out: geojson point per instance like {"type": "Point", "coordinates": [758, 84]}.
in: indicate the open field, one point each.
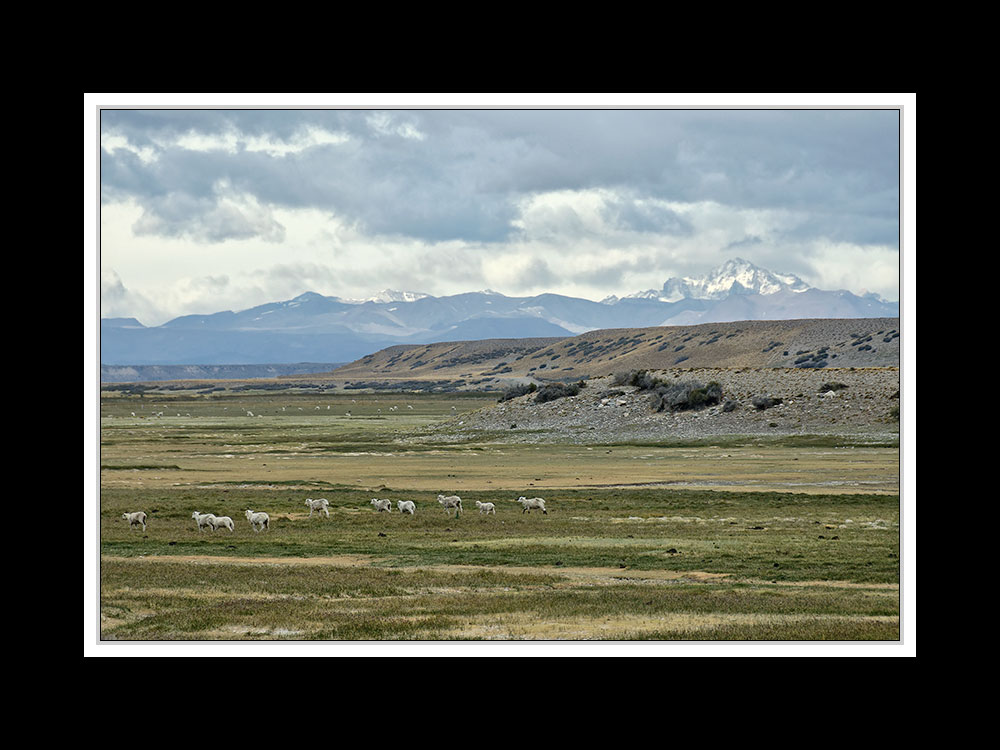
{"type": "Point", "coordinates": [783, 537]}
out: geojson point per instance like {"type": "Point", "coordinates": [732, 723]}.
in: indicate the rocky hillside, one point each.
{"type": "Point", "coordinates": [798, 344]}
{"type": "Point", "coordinates": [859, 402]}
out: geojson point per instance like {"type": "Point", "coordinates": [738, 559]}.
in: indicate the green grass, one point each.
{"type": "Point", "coordinates": [628, 562]}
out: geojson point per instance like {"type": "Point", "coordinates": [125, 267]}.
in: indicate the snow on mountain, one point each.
{"type": "Point", "coordinates": [313, 327]}
{"type": "Point", "coordinates": [718, 283]}
{"type": "Point", "coordinates": [388, 295]}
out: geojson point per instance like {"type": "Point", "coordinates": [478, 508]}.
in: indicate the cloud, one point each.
{"type": "Point", "coordinates": [594, 202]}
{"type": "Point", "coordinates": [226, 215]}
{"type": "Point", "coordinates": [440, 175]}
{"type": "Point", "coordinates": [119, 302]}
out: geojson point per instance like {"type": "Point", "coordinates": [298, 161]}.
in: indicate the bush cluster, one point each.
{"type": "Point", "coordinates": [517, 390]}
{"type": "Point", "coordinates": [670, 395]}
{"type": "Point", "coordinates": [685, 396]}
{"type": "Point", "coordinates": [552, 391]}
{"type": "Point", "coordinates": [644, 380]}
{"type": "Point", "coordinates": [765, 402]}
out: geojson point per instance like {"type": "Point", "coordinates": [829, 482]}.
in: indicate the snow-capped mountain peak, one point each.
{"type": "Point", "coordinates": [718, 283]}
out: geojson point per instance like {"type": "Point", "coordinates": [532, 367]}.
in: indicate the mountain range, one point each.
{"type": "Point", "coordinates": [317, 328]}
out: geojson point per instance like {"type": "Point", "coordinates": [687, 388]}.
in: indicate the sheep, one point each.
{"type": "Point", "coordinates": [135, 519]}
{"type": "Point", "coordinates": [203, 520]}
{"type": "Point", "coordinates": [319, 505]}
{"type": "Point", "coordinates": [407, 506]}
{"type": "Point", "coordinates": [259, 521]}
{"type": "Point", "coordinates": [382, 505]}
{"type": "Point", "coordinates": [452, 501]}
{"type": "Point", "coordinates": [225, 522]}
{"type": "Point", "coordinates": [535, 503]}
{"type": "Point", "coordinates": [486, 508]}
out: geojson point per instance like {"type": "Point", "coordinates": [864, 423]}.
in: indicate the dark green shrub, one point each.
{"type": "Point", "coordinates": [686, 396]}
{"type": "Point", "coordinates": [553, 391]}
{"type": "Point", "coordinates": [761, 403]}
{"type": "Point", "coordinates": [517, 390]}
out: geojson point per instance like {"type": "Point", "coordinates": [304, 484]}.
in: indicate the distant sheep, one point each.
{"type": "Point", "coordinates": [259, 521]}
{"type": "Point", "coordinates": [382, 505]}
{"type": "Point", "coordinates": [320, 506]}
{"type": "Point", "coordinates": [534, 503]}
{"type": "Point", "coordinates": [407, 506]}
{"type": "Point", "coordinates": [225, 522]}
{"type": "Point", "coordinates": [486, 508]}
{"type": "Point", "coordinates": [451, 502]}
{"type": "Point", "coordinates": [203, 520]}
{"type": "Point", "coordinates": [135, 519]}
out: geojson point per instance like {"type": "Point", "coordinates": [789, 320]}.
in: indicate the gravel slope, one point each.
{"type": "Point", "coordinates": [603, 412]}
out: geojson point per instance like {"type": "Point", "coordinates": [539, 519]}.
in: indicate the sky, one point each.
{"type": "Point", "coordinates": [210, 206]}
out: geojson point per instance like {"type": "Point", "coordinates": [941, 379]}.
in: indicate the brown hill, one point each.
{"type": "Point", "coordinates": [809, 343]}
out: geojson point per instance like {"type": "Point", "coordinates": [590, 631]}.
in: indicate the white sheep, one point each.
{"type": "Point", "coordinates": [319, 505]}
{"type": "Point", "coordinates": [203, 520]}
{"type": "Point", "coordinates": [452, 501]}
{"type": "Point", "coordinates": [225, 522]}
{"type": "Point", "coordinates": [486, 508]}
{"type": "Point", "coordinates": [382, 505]}
{"type": "Point", "coordinates": [135, 519]}
{"type": "Point", "coordinates": [259, 521]}
{"type": "Point", "coordinates": [407, 506]}
{"type": "Point", "coordinates": [534, 503]}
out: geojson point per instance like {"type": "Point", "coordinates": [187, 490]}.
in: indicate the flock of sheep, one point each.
{"type": "Point", "coordinates": [260, 521]}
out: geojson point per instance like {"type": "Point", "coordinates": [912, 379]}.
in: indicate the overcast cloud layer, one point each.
{"type": "Point", "coordinates": [209, 210]}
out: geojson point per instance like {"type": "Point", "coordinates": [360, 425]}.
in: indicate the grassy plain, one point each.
{"type": "Point", "coordinates": [735, 539]}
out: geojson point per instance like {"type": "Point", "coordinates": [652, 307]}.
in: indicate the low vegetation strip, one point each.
{"type": "Point", "coordinates": [146, 601]}
{"type": "Point", "coordinates": [609, 564]}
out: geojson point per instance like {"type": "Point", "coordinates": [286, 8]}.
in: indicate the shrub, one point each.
{"type": "Point", "coordinates": [761, 403]}
{"type": "Point", "coordinates": [517, 390]}
{"type": "Point", "coordinates": [553, 391]}
{"type": "Point", "coordinates": [686, 396]}
{"type": "Point", "coordinates": [729, 406]}
{"type": "Point", "coordinates": [641, 379]}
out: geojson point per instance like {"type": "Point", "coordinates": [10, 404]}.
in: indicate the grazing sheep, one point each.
{"type": "Point", "coordinates": [486, 508]}
{"type": "Point", "coordinates": [319, 505]}
{"type": "Point", "coordinates": [452, 501]}
{"type": "Point", "coordinates": [382, 505]}
{"type": "Point", "coordinates": [259, 521]}
{"type": "Point", "coordinates": [407, 506]}
{"type": "Point", "coordinates": [534, 503]}
{"type": "Point", "coordinates": [225, 522]}
{"type": "Point", "coordinates": [135, 519]}
{"type": "Point", "coordinates": [203, 520]}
